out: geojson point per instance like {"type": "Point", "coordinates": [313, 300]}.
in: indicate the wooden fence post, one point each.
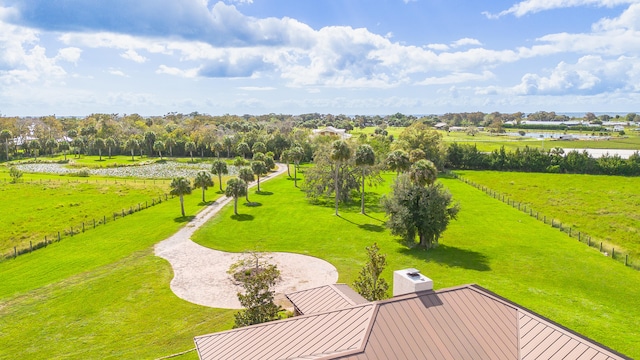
{"type": "Point", "coordinates": [613, 253]}
{"type": "Point", "coordinates": [600, 246]}
{"type": "Point", "coordinates": [30, 246]}
{"type": "Point", "coordinates": [15, 252]}
{"type": "Point", "coordinates": [83, 226]}
{"type": "Point", "coordinates": [58, 236]}
{"type": "Point", "coordinates": [626, 260]}
{"type": "Point", "coordinates": [94, 223]}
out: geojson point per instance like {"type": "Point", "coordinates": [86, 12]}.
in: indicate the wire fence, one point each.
{"type": "Point", "coordinates": [604, 247]}
{"type": "Point", "coordinates": [84, 226]}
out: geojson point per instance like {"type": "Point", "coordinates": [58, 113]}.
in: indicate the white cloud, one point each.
{"type": "Point", "coordinates": [133, 55]}
{"type": "Point", "coordinates": [590, 75]}
{"type": "Point", "coordinates": [189, 73]}
{"type": "Point", "coordinates": [70, 54]}
{"type": "Point", "coordinates": [534, 6]}
{"type": "Point", "coordinates": [466, 42]}
{"type": "Point", "coordinates": [117, 72]}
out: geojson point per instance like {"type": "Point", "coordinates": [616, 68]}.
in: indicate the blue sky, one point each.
{"type": "Point", "coordinates": [76, 57]}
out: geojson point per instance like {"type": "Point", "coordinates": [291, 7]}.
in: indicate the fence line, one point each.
{"type": "Point", "coordinates": [87, 181]}
{"type": "Point", "coordinates": [606, 249]}
{"type": "Point", "coordinates": [85, 226]}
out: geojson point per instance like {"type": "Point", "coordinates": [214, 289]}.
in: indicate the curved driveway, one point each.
{"type": "Point", "coordinates": [200, 273]}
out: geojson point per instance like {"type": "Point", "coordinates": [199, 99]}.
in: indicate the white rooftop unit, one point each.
{"type": "Point", "coordinates": [409, 281]}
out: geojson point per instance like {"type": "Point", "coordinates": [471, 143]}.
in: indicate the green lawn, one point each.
{"type": "Point", "coordinates": [605, 207]}
{"type": "Point", "coordinates": [39, 207]}
{"type": "Point", "coordinates": [102, 294]}
{"type": "Point", "coordinates": [491, 244]}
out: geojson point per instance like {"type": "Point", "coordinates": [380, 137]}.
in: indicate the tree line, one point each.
{"type": "Point", "coordinates": [466, 156]}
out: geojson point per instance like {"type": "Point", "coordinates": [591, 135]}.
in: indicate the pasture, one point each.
{"type": "Point", "coordinates": [488, 142]}
{"type": "Point", "coordinates": [102, 294]}
{"type": "Point", "coordinates": [39, 207]}
{"type": "Point", "coordinates": [605, 207]}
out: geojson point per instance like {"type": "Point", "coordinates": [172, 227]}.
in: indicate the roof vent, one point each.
{"type": "Point", "coordinates": [409, 281]}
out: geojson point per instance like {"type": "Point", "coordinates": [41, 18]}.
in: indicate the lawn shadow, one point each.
{"type": "Point", "coordinates": [371, 217]}
{"type": "Point", "coordinates": [368, 227]}
{"type": "Point", "coordinates": [371, 227]}
{"type": "Point", "coordinates": [252, 204]}
{"type": "Point", "coordinates": [265, 193]}
{"type": "Point", "coordinates": [205, 203]}
{"type": "Point", "coordinates": [242, 217]}
{"type": "Point", "coordinates": [184, 219]}
{"type": "Point", "coordinates": [451, 256]}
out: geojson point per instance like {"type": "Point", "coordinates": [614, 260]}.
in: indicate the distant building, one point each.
{"type": "Point", "coordinates": [331, 131]}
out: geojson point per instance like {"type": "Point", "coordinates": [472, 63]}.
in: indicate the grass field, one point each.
{"type": "Point", "coordinates": [491, 244]}
{"type": "Point", "coordinates": [102, 294]}
{"type": "Point", "coordinates": [605, 207]}
{"type": "Point", "coordinates": [42, 207]}
{"type": "Point", "coordinates": [487, 142]}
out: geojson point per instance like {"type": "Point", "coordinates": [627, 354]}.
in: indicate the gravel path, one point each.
{"type": "Point", "coordinates": [200, 273]}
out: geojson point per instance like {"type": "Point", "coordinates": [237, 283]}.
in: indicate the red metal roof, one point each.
{"type": "Point", "coordinates": [325, 298]}
{"type": "Point", "coordinates": [466, 322]}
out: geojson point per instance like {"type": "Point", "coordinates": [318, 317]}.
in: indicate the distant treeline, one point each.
{"type": "Point", "coordinates": [465, 156]}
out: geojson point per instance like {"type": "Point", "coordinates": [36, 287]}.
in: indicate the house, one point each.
{"type": "Point", "coordinates": [331, 131]}
{"type": "Point", "coordinates": [441, 126]}
{"type": "Point", "coordinates": [464, 322]}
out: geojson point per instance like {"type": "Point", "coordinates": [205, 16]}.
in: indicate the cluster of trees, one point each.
{"type": "Point", "coordinates": [417, 207]}
{"type": "Point", "coordinates": [465, 156]}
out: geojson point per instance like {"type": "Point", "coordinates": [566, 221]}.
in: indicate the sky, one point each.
{"type": "Point", "coordinates": [152, 57]}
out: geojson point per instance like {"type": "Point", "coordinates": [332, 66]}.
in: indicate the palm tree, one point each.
{"type": "Point", "coordinates": [297, 154]}
{"type": "Point", "coordinates": [6, 135]}
{"type": "Point", "coordinates": [365, 158]}
{"type": "Point", "coordinates": [243, 148]}
{"type": "Point", "coordinates": [190, 147]}
{"type": "Point", "coordinates": [259, 168]}
{"type": "Point", "coordinates": [259, 147]}
{"type": "Point", "coordinates": [246, 175]}
{"type": "Point", "coordinates": [217, 147]}
{"type": "Point", "coordinates": [202, 180]}
{"type": "Point", "coordinates": [78, 145]}
{"type": "Point", "coordinates": [227, 141]}
{"type": "Point", "coordinates": [398, 161]}
{"type": "Point", "coordinates": [423, 173]}
{"type": "Point", "coordinates": [286, 157]}
{"type": "Point", "coordinates": [131, 145]}
{"type": "Point", "coordinates": [170, 143]}
{"type": "Point", "coordinates": [158, 146]}
{"type": "Point", "coordinates": [340, 153]}
{"type": "Point", "coordinates": [180, 187]}
{"type": "Point", "coordinates": [110, 143]}
{"type": "Point", "coordinates": [34, 146]}
{"type": "Point", "coordinates": [235, 188]}
{"type": "Point", "coordinates": [219, 167]}
{"type": "Point", "coordinates": [149, 140]}
{"type": "Point", "coordinates": [51, 145]}
{"type": "Point", "coordinates": [99, 144]}
{"type": "Point", "coordinates": [64, 146]}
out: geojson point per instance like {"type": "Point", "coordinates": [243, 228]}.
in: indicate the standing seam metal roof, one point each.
{"type": "Point", "coordinates": [467, 322]}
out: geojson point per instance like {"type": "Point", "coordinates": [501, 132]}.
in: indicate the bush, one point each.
{"type": "Point", "coordinates": [15, 174]}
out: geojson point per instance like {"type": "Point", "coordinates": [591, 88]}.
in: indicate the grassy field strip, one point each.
{"type": "Point", "coordinates": [35, 210]}
{"type": "Point", "coordinates": [605, 207]}
{"type": "Point", "coordinates": [491, 244]}
{"type": "Point", "coordinates": [606, 249]}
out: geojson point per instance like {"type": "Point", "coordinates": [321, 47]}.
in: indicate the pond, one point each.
{"type": "Point", "coordinates": [558, 135]}
{"type": "Point", "coordinates": [167, 170]}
